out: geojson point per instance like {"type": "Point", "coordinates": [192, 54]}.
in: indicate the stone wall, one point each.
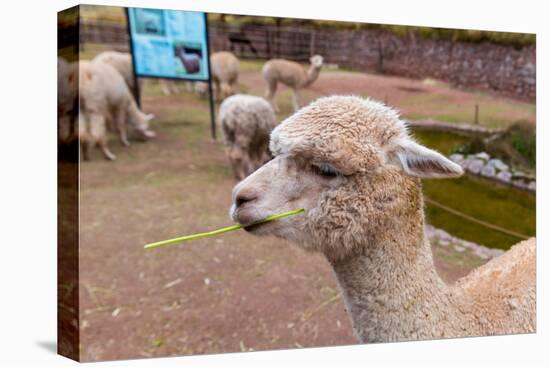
{"type": "Point", "coordinates": [507, 70]}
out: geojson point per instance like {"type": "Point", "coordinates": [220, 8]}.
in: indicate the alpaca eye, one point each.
{"type": "Point", "coordinates": [325, 170]}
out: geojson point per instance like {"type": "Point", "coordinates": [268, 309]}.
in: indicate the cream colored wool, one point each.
{"type": "Point", "coordinates": [122, 62]}
{"type": "Point", "coordinates": [291, 74]}
{"type": "Point", "coordinates": [246, 122]}
{"type": "Point", "coordinates": [67, 96]}
{"type": "Point", "coordinates": [225, 73]}
{"type": "Point", "coordinates": [104, 96]}
{"type": "Point", "coordinates": [351, 164]}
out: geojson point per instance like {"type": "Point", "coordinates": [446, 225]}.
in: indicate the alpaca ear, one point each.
{"type": "Point", "coordinates": [418, 161]}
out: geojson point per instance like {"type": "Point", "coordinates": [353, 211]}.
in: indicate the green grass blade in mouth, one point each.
{"type": "Point", "coordinates": [221, 230]}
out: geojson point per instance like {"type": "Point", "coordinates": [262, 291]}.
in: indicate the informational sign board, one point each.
{"type": "Point", "coordinates": [169, 43]}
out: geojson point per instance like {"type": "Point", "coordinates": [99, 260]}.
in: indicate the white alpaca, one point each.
{"type": "Point", "coordinates": [351, 164]}
{"type": "Point", "coordinates": [104, 97]}
{"type": "Point", "coordinates": [291, 74]}
{"type": "Point", "coordinates": [246, 122]}
{"type": "Point", "coordinates": [122, 62]}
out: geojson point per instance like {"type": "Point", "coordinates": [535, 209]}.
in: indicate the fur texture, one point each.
{"type": "Point", "coordinates": [291, 74]}
{"type": "Point", "coordinates": [246, 122]}
{"type": "Point", "coordinates": [122, 62]}
{"type": "Point", "coordinates": [352, 165]}
{"type": "Point", "coordinates": [67, 100]}
{"type": "Point", "coordinates": [225, 73]}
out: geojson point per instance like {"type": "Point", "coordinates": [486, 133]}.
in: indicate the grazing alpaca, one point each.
{"type": "Point", "coordinates": [225, 72]}
{"type": "Point", "coordinates": [352, 165]}
{"type": "Point", "coordinates": [105, 97]}
{"type": "Point", "coordinates": [291, 74]}
{"type": "Point", "coordinates": [122, 62]}
{"type": "Point", "coordinates": [67, 100]}
{"type": "Point", "coordinates": [246, 122]}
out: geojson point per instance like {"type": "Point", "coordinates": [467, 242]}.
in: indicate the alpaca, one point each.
{"type": "Point", "coordinates": [246, 122]}
{"type": "Point", "coordinates": [122, 62]}
{"type": "Point", "coordinates": [67, 100]}
{"type": "Point", "coordinates": [104, 97]}
{"type": "Point", "coordinates": [352, 165]}
{"type": "Point", "coordinates": [169, 87]}
{"type": "Point", "coordinates": [291, 74]}
{"type": "Point", "coordinates": [225, 72]}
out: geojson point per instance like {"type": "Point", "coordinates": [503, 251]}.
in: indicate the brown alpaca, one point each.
{"type": "Point", "coordinates": [291, 74]}
{"type": "Point", "coordinates": [352, 165]}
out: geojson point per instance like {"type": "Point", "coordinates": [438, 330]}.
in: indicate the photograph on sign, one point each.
{"type": "Point", "coordinates": [169, 43]}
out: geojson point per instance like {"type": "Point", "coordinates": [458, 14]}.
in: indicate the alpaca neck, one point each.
{"type": "Point", "coordinates": [311, 75]}
{"type": "Point", "coordinates": [392, 291]}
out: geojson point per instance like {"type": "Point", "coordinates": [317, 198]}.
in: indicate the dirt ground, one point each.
{"type": "Point", "coordinates": [229, 293]}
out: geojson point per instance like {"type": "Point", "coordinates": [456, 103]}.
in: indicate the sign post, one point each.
{"type": "Point", "coordinates": [170, 44]}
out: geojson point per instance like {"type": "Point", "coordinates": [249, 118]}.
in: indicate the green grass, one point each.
{"type": "Point", "coordinates": [493, 113]}
{"type": "Point", "coordinates": [251, 65]}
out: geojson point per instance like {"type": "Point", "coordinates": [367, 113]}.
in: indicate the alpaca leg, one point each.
{"type": "Point", "coordinates": [105, 149]}
{"type": "Point", "coordinates": [188, 86]}
{"type": "Point", "coordinates": [164, 87]}
{"type": "Point", "coordinates": [216, 89]}
{"type": "Point", "coordinates": [295, 100]}
{"type": "Point", "coordinates": [83, 135]}
{"type": "Point", "coordinates": [98, 132]}
{"type": "Point", "coordinates": [240, 171]}
{"type": "Point", "coordinates": [174, 87]}
{"type": "Point", "coordinates": [237, 168]}
{"type": "Point", "coordinates": [122, 126]}
{"type": "Point", "coordinates": [270, 94]}
{"type": "Point", "coordinates": [85, 150]}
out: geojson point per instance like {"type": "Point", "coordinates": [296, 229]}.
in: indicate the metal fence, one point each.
{"type": "Point", "coordinates": [248, 41]}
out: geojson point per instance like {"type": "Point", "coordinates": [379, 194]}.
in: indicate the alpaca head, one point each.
{"type": "Point", "coordinates": [316, 61]}
{"type": "Point", "coordinates": [350, 163]}
{"type": "Point", "coordinates": [140, 121]}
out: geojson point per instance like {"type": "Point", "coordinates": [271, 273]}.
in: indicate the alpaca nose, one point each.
{"type": "Point", "coordinates": [245, 196]}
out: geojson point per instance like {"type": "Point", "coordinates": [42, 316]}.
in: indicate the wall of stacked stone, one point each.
{"type": "Point", "coordinates": [482, 164]}
{"type": "Point", "coordinates": [504, 69]}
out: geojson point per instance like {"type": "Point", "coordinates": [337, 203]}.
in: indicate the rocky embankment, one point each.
{"type": "Point", "coordinates": [440, 238]}
{"type": "Point", "coordinates": [482, 164]}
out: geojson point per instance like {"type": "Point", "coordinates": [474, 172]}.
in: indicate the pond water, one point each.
{"type": "Point", "coordinates": [484, 200]}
